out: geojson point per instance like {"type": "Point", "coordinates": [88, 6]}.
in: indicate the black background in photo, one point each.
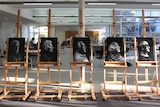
{"type": "Point", "coordinates": [113, 54]}
{"type": "Point", "coordinates": [76, 48]}
{"type": "Point", "coordinates": [16, 50]}
{"type": "Point", "coordinates": [143, 44]}
{"type": "Point", "coordinates": [49, 50]}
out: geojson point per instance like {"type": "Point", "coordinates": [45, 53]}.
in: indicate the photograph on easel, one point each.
{"type": "Point", "coordinates": [114, 49]}
{"type": "Point", "coordinates": [81, 49]}
{"type": "Point", "coordinates": [48, 47]}
{"type": "Point", "coordinates": [16, 50]}
{"type": "Point", "coordinates": [145, 49]}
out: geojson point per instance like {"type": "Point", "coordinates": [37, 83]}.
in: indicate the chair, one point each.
{"type": "Point", "coordinates": [99, 53]}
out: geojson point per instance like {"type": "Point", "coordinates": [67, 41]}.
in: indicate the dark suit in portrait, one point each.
{"type": "Point", "coordinates": [114, 49]}
{"type": "Point", "coordinates": [145, 49]}
{"type": "Point", "coordinates": [16, 50]}
{"type": "Point", "coordinates": [48, 48]}
{"type": "Point", "coordinates": [81, 49]}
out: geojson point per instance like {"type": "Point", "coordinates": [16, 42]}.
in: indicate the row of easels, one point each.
{"type": "Point", "coordinates": [17, 59]}
{"type": "Point", "coordinates": [149, 61]}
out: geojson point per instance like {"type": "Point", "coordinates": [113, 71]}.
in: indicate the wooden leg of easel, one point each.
{"type": "Point", "coordinates": [4, 89]}
{"type": "Point", "coordinates": [125, 85]}
{"type": "Point", "coordinates": [37, 87]}
{"type": "Point", "coordinates": [103, 90]}
{"type": "Point", "coordinates": [155, 80]}
{"type": "Point", "coordinates": [70, 90]}
{"type": "Point", "coordinates": [26, 86]}
{"type": "Point", "coordinates": [59, 96]}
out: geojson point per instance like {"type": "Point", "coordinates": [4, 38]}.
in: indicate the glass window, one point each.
{"type": "Point", "coordinates": [38, 31]}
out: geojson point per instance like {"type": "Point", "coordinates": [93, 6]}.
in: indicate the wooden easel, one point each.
{"type": "Point", "coordinates": [22, 93]}
{"type": "Point", "coordinates": [54, 93]}
{"type": "Point", "coordinates": [17, 66]}
{"type": "Point", "coordinates": [146, 65]}
{"type": "Point", "coordinates": [106, 92]}
{"type": "Point", "coordinates": [81, 82]}
{"type": "Point", "coordinates": [146, 91]}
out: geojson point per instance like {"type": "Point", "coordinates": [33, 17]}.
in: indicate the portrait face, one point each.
{"type": "Point", "coordinates": [114, 49]}
{"type": "Point", "coordinates": [81, 49]}
{"type": "Point", "coordinates": [145, 49]}
{"type": "Point", "coordinates": [16, 46]}
{"type": "Point", "coordinates": [48, 48]}
{"type": "Point", "coordinates": [16, 50]}
{"type": "Point", "coordinates": [48, 45]}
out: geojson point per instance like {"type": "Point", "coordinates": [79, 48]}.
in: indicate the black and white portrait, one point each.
{"type": "Point", "coordinates": [114, 49]}
{"type": "Point", "coordinates": [81, 49]}
{"type": "Point", "coordinates": [16, 50]}
{"type": "Point", "coordinates": [145, 49]}
{"type": "Point", "coordinates": [48, 48]}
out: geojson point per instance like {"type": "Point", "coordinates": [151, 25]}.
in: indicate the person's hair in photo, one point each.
{"type": "Point", "coordinates": [145, 51]}
{"type": "Point", "coordinates": [16, 50]}
{"type": "Point", "coordinates": [80, 53]}
{"type": "Point", "coordinates": [114, 49]}
{"type": "Point", "coordinates": [48, 50]}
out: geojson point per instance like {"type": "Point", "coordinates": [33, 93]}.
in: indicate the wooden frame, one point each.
{"type": "Point", "coordinates": [81, 64]}
{"type": "Point", "coordinates": [146, 63]}
{"type": "Point", "coordinates": [115, 46]}
{"type": "Point", "coordinates": [52, 62]}
{"type": "Point", "coordinates": [21, 63]}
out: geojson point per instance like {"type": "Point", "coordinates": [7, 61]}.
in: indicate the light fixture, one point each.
{"type": "Point", "coordinates": [156, 4]}
{"type": "Point", "coordinates": [102, 3]}
{"type": "Point", "coordinates": [37, 3]}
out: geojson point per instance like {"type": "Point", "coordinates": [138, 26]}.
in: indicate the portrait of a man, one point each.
{"type": "Point", "coordinates": [114, 49]}
{"type": "Point", "coordinates": [81, 49]}
{"type": "Point", "coordinates": [48, 48]}
{"type": "Point", "coordinates": [16, 50]}
{"type": "Point", "coordinates": [145, 49]}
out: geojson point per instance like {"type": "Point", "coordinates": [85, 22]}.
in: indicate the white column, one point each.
{"type": "Point", "coordinates": [81, 30]}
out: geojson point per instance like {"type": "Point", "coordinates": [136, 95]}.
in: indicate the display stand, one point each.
{"type": "Point", "coordinates": [146, 62]}
{"type": "Point", "coordinates": [78, 43]}
{"type": "Point", "coordinates": [48, 60]}
{"type": "Point", "coordinates": [113, 64]}
{"type": "Point", "coordinates": [18, 62]}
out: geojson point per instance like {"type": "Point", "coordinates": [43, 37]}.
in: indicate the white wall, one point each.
{"type": "Point", "coordinates": [8, 30]}
{"type": "Point", "coordinates": [25, 31]}
{"type": "Point", "coordinates": [60, 33]}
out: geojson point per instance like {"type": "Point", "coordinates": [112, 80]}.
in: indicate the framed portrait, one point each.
{"type": "Point", "coordinates": [114, 49]}
{"type": "Point", "coordinates": [16, 50]}
{"type": "Point", "coordinates": [81, 49]}
{"type": "Point", "coordinates": [48, 47]}
{"type": "Point", "coordinates": [145, 49]}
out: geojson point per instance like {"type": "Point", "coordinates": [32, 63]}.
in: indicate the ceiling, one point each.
{"type": "Point", "coordinates": [65, 12]}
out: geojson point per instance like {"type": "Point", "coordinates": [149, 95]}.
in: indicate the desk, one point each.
{"type": "Point", "coordinates": [32, 55]}
{"type": "Point", "coordinates": [2, 61]}
{"type": "Point", "coordinates": [97, 50]}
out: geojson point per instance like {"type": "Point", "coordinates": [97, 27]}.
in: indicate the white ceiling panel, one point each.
{"type": "Point", "coordinates": [65, 12]}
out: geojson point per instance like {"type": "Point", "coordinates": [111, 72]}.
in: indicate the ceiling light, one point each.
{"type": "Point", "coordinates": [102, 3]}
{"type": "Point", "coordinates": [40, 3]}
{"type": "Point", "coordinates": [156, 4]}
